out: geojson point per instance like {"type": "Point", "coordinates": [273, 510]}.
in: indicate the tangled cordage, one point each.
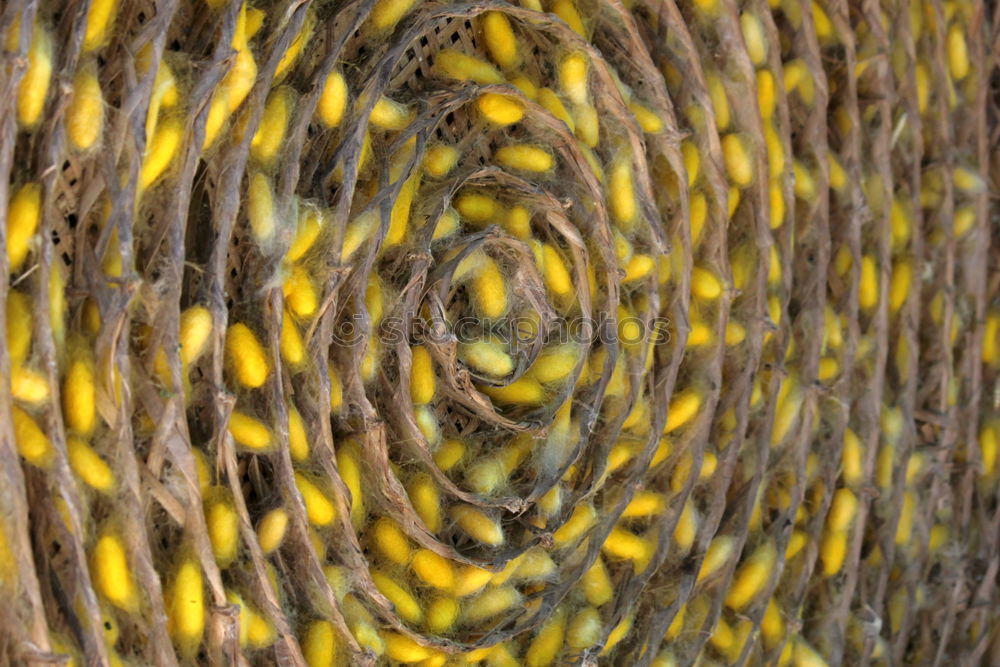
{"type": "Point", "coordinates": [563, 332]}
